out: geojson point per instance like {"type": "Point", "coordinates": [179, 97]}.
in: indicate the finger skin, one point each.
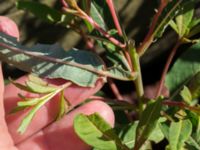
{"type": "Point", "coordinates": [46, 114]}
{"type": "Point", "coordinates": [60, 135]}
{"type": "Point", "coordinates": [9, 27]}
{"type": "Point", "coordinates": [6, 142]}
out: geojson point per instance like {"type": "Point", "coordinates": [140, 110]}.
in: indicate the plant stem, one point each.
{"type": "Point", "coordinates": [181, 105]}
{"type": "Point", "coordinates": [150, 35]}
{"type": "Point", "coordinates": [85, 16]}
{"type": "Point", "coordinates": [138, 82]}
{"type": "Point", "coordinates": [115, 90]}
{"type": "Point", "coordinates": [169, 60]}
{"type": "Point", "coordinates": [64, 3]}
{"type": "Point", "coordinates": [114, 16]}
{"type": "Point", "coordinates": [102, 31]}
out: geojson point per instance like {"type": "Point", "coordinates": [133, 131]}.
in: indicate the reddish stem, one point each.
{"type": "Point", "coordinates": [115, 90]}
{"type": "Point", "coordinates": [181, 105]}
{"type": "Point", "coordinates": [114, 16]}
{"type": "Point", "coordinates": [149, 37]}
{"type": "Point", "coordinates": [64, 3]}
{"type": "Point", "coordinates": [169, 60]}
{"type": "Point", "coordinates": [97, 27]}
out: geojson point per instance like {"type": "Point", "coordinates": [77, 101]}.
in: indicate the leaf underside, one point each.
{"type": "Point", "coordinates": [51, 61]}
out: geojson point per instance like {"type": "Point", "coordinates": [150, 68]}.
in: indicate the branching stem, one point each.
{"type": "Point", "coordinates": [150, 36]}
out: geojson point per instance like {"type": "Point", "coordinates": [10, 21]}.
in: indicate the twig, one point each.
{"type": "Point", "coordinates": [115, 89]}
{"type": "Point", "coordinates": [85, 16]}
{"type": "Point", "coordinates": [150, 36]}
{"type": "Point", "coordinates": [114, 16]}
{"type": "Point", "coordinates": [181, 105]}
{"type": "Point", "coordinates": [169, 60]}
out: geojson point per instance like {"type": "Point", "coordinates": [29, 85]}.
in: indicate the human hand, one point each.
{"type": "Point", "coordinates": [42, 134]}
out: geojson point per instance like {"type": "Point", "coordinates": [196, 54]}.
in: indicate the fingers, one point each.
{"type": "Point", "coordinates": [60, 135]}
{"type": "Point", "coordinates": [46, 114]}
{"type": "Point", "coordinates": [76, 94]}
{"type": "Point", "coordinates": [6, 142]}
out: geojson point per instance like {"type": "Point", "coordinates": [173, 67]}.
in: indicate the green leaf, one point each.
{"type": "Point", "coordinates": [157, 134]}
{"type": "Point", "coordinates": [51, 61]}
{"type": "Point", "coordinates": [64, 105]}
{"type": "Point", "coordinates": [101, 14]}
{"type": "Point", "coordinates": [193, 143]}
{"type": "Point", "coordinates": [44, 12]}
{"type": "Point", "coordinates": [96, 132]}
{"type": "Point", "coordinates": [184, 19]}
{"type": "Point", "coordinates": [29, 102]}
{"type": "Point", "coordinates": [40, 89]}
{"type": "Point", "coordinates": [27, 119]}
{"type": "Point", "coordinates": [147, 122]}
{"type": "Point", "coordinates": [37, 80]}
{"type": "Point", "coordinates": [179, 132]}
{"type": "Point", "coordinates": [194, 86]}
{"type": "Point", "coordinates": [186, 95]}
{"type": "Point", "coordinates": [97, 16]}
{"type": "Point", "coordinates": [120, 73]}
{"type": "Point", "coordinates": [128, 134]}
{"type": "Point", "coordinates": [186, 66]}
{"type": "Point", "coordinates": [165, 130]}
{"type": "Point", "coordinates": [194, 22]}
{"type": "Point", "coordinates": [173, 9]}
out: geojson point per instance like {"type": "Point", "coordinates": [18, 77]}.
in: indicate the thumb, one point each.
{"type": "Point", "coordinates": [5, 138]}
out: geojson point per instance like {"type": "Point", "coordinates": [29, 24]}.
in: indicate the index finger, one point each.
{"type": "Point", "coordinates": [47, 113]}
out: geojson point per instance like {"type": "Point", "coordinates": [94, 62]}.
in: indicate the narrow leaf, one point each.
{"type": "Point", "coordinates": [40, 89]}
{"type": "Point", "coordinates": [186, 95]}
{"type": "Point", "coordinates": [64, 106]}
{"type": "Point", "coordinates": [27, 119]}
{"type": "Point", "coordinates": [172, 10]}
{"type": "Point", "coordinates": [184, 19]}
{"type": "Point", "coordinates": [37, 80]}
{"type": "Point", "coordinates": [147, 122]}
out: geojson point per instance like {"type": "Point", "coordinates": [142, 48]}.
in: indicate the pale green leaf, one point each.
{"type": "Point", "coordinates": [97, 133]}
{"type": "Point", "coordinates": [173, 9]}
{"type": "Point", "coordinates": [186, 95]}
{"type": "Point", "coordinates": [179, 133]}
{"type": "Point", "coordinates": [63, 106]}
{"type": "Point", "coordinates": [40, 89]}
{"type": "Point", "coordinates": [27, 119]}
{"type": "Point", "coordinates": [33, 78]}
{"type": "Point", "coordinates": [184, 19]}
{"type": "Point", "coordinates": [29, 102]}
{"type": "Point", "coordinates": [157, 134]}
